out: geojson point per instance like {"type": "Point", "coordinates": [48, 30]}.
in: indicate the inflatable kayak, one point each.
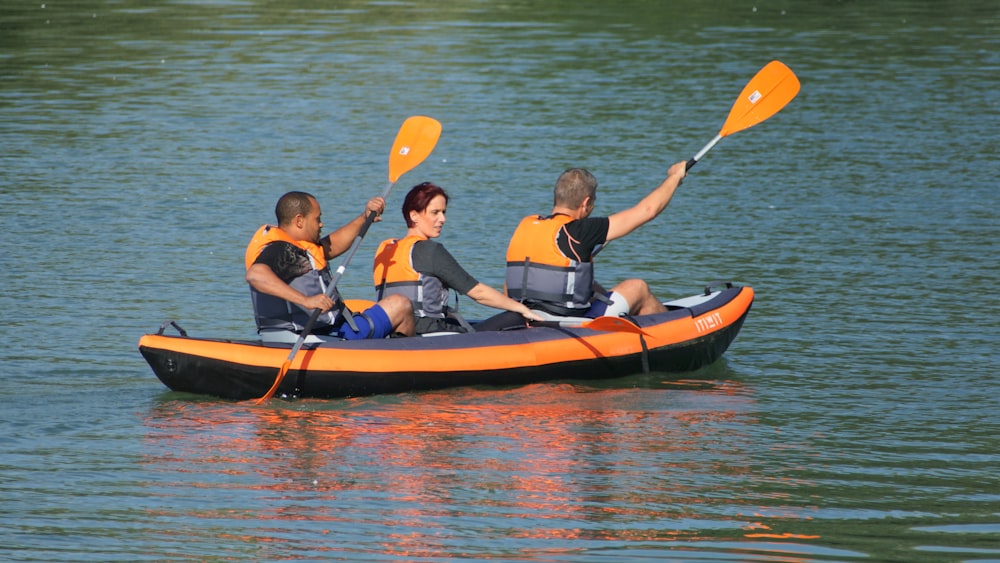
{"type": "Point", "coordinates": [694, 332]}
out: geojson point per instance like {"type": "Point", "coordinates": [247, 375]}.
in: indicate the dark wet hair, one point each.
{"type": "Point", "coordinates": [419, 198]}
{"type": "Point", "coordinates": [292, 204]}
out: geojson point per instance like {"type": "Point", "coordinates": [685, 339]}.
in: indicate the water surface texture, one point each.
{"type": "Point", "coordinates": [855, 418]}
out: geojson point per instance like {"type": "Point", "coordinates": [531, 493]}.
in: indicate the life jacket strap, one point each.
{"type": "Point", "coordinates": [453, 313]}
{"type": "Point", "coordinates": [347, 315]}
{"type": "Point", "coordinates": [603, 298]}
{"type": "Point", "coordinates": [524, 278]}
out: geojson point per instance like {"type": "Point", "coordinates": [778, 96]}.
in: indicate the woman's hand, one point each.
{"type": "Point", "coordinates": [530, 315]}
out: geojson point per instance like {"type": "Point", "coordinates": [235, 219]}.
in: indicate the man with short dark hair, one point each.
{"type": "Point", "coordinates": [288, 276]}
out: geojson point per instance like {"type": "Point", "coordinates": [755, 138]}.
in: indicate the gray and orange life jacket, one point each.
{"type": "Point", "coordinates": [393, 273]}
{"type": "Point", "coordinates": [539, 272]}
{"type": "Point", "coordinates": [272, 312]}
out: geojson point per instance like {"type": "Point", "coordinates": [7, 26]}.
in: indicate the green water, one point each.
{"type": "Point", "coordinates": [854, 418]}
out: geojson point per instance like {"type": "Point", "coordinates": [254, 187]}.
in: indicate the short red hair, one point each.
{"type": "Point", "coordinates": [419, 198]}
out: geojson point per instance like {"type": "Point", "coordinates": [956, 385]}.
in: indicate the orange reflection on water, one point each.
{"type": "Point", "coordinates": [541, 462]}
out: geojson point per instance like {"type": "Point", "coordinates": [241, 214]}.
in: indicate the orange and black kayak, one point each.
{"type": "Point", "coordinates": [694, 332]}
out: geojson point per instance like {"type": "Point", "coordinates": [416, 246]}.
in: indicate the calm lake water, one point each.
{"type": "Point", "coordinates": [855, 418]}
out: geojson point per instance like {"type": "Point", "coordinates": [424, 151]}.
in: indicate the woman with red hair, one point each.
{"type": "Point", "coordinates": [424, 271]}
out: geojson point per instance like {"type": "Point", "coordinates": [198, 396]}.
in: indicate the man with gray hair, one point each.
{"type": "Point", "coordinates": [550, 258]}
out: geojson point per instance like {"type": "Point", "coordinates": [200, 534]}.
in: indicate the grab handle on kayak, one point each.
{"type": "Point", "coordinates": [711, 284]}
{"type": "Point", "coordinates": [165, 324]}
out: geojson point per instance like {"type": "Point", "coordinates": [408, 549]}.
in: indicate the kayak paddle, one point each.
{"type": "Point", "coordinates": [607, 324]}
{"type": "Point", "coordinates": [414, 142]}
{"type": "Point", "coordinates": [767, 92]}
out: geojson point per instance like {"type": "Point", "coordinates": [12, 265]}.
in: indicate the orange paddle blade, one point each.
{"type": "Point", "coordinates": [414, 142]}
{"type": "Point", "coordinates": [606, 324]}
{"type": "Point", "coordinates": [767, 92]}
{"type": "Point", "coordinates": [277, 382]}
{"type": "Point", "coordinates": [614, 324]}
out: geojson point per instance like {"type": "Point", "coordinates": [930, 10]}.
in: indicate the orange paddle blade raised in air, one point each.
{"type": "Point", "coordinates": [414, 143]}
{"type": "Point", "coordinates": [767, 92]}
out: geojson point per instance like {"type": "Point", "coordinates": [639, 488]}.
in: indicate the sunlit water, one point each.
{"type": "Point", "coordinates": [854, 419]}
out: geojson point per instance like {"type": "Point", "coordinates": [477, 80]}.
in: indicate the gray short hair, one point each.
{"type": "Point", "coordinates": [573, 186]}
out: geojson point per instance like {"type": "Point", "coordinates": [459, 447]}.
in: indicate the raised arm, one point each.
{"type": "Point", "coordinates": [624, 222]}
{"type": "Point", "coordinates": [339, 241]}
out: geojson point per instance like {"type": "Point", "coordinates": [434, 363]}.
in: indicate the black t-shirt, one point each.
{"type": "Point", "coordinates": [585, 236]}
{"type": "Point", "coordinates": [433, 259]}
{"type": "Point", "coordinates": [286, 260]}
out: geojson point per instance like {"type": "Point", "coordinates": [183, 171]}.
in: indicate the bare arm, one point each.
{"type": "Point", "coordinates": [624, 222]}
{"type": "Point", "coordinates": [340, 241]}
{"type": "Point", "coordinates": [264, 280]}
{"type": "Point", "coordinates": [486, 295]}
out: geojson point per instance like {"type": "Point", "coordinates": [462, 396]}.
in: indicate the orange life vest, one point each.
{"type": "Point", "coordinates": [270, 233]}
{"type": "Point", "coordinates": [539, 273]}
{"type": "Point", "coordinates": [272, 312]}
{"type": "Point", "coordinates": [393, 273]}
